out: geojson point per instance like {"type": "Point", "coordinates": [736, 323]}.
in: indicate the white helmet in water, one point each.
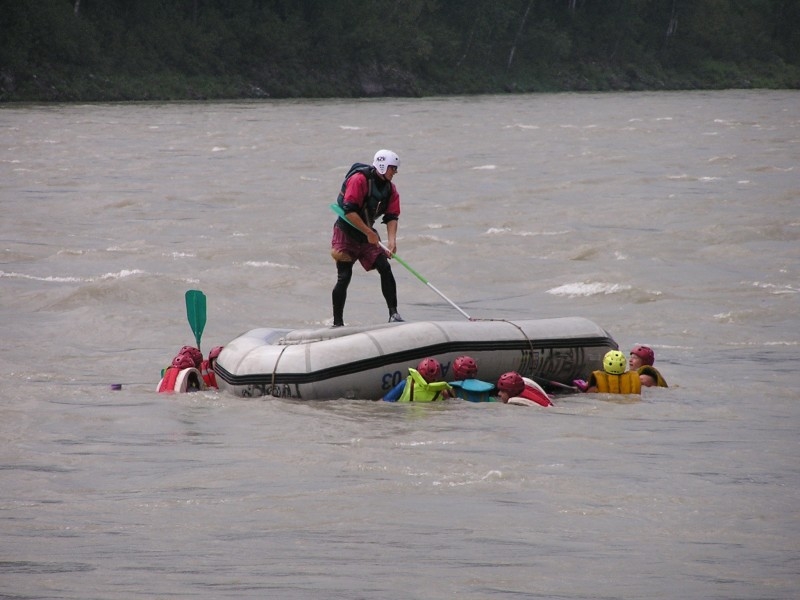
{"type": "Point", "coordinates": [385, 159]}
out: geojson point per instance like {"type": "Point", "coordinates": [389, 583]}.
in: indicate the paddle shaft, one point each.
{"type": "Point", "coordinates": [338, 210]}
{"type": "Point", "coordinates": [554, 383]}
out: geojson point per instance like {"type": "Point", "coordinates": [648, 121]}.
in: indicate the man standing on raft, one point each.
{"type": "Point", "coordinates": [366, 194]}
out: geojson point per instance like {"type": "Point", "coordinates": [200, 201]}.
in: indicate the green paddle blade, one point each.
{"type": "Point", "coordinates": [196, 313]}
{"type": "Point", "coordinates": [337, 209]}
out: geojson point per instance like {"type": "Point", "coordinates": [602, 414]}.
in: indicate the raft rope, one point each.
{"type": "Point", "coordinates": [530, 344]}
{"type": "Point", "coordinates": [275, 368]}
{"type": "Point", "coordinates": [521, 330]}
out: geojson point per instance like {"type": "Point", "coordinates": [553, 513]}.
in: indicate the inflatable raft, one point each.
{"type": "Point", "coordinates": [366, 362]}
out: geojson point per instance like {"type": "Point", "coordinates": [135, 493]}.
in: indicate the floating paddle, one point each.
{"type": "Point", "coordinates": [553, 383]}
{"type": "Point", "coordinates": [196, 313]}
{"type": "Point", "coordinates": [338, 210]}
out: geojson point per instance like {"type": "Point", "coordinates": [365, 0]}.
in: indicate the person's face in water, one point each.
{"type": "Point", "coordinates": [634, 362]}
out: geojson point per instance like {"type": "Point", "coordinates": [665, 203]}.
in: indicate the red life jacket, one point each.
{"type": "Point", "coordinates": [167, 383]}
{"type": "Point", "coordinates": [209, 377]}
{"type": "Point", "coordinates": [180, 380]}
{"type": "Point", "coordinates": [535, 393]}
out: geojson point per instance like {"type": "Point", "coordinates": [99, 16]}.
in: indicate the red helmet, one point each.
{"type": "Point", "coordinates": [194, 353]}
{"type": "Point", "coordinates": [511, 383]}
{"type": "Point", "coordinates": [430, 369]}
{"type": "Point", "coordinates": [465, 367]}
{"type": "Point", "coordinates": [645, 353]}
{"type": "Point", "coordinates": [183, 361]}
{"type": "Point", "coordinates": [214, 353]}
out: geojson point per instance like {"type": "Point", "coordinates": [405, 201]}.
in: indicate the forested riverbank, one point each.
{"type": "Point", "coordinates": [106, 50]}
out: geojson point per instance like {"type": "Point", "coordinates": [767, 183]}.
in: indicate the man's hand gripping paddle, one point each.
{"type": "Point", "coordinates": [338, 210]}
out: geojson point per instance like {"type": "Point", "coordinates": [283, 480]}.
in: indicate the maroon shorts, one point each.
{"type": "Point", "coordinates": [364, 252]}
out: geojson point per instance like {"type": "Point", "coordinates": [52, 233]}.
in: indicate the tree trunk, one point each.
{"type": "Point", "coordinates": [468, 45]}
{"type": "Point", "coordinates": [672, 27]}
{"type": "Point", "coordinates": [519, 34]}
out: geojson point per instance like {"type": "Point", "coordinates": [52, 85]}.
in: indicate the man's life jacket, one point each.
{"type": "Point", "coordinates": [180, 380]}
{"type": "Point", "coordinates": [375, 204]}
{"type": "Point", "coordinates": [419, 390]}
{"type": "Point", "coordinates": [209, 377]}
{"type": "Point", "coordinates": [531, 395]}
{"type": "Point", "coordinates": [654, 373]}
{"type": "Point", "coordinates": [627, 383]}
{"type": "Point", "coordinates": [473, 390]}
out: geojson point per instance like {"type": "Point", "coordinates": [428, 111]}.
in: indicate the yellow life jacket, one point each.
{"type": "Point", "coordinates": [627, 383]}
{"type": "Point", "coordinates": [419, 390]}
{"type": "Point", "coordinates": [654, 373]}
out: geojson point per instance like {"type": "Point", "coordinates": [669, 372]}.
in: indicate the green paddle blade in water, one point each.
{"type": "Point", "coordinates": [196, 313]}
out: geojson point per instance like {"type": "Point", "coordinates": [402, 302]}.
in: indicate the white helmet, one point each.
{"type": "Point", "coordinates": [384, 159]}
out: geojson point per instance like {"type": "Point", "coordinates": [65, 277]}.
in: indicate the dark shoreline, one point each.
{"type": "Point", "coordinates": [83, 87]}
{"type": "Point", "coordinates": [160, 50]}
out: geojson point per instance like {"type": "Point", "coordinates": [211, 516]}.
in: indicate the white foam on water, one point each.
{"type": "Point", "coordinates": [573, 290]}
{"type": "Point", "coordinates": [266, 263]}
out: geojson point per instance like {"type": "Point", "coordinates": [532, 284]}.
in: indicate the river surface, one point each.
{"type": "Point", "coordinates": [670, 219]}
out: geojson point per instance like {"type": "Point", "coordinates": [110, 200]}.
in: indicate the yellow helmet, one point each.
{"type": "Point", "coordinates": [614, 362]}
